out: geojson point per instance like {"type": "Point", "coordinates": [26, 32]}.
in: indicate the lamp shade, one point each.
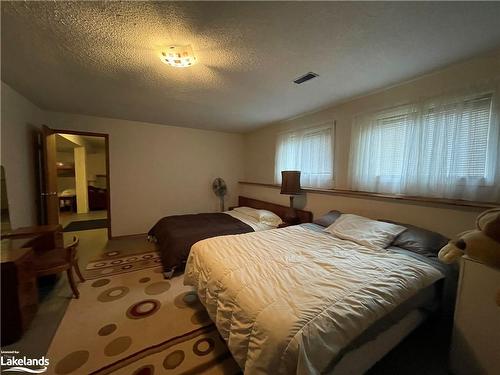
{"type": "Point", "coordinates": [290, 182]}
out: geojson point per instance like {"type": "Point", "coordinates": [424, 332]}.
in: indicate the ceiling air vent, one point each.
{"type": "Point", "coordinates": [306, 77]}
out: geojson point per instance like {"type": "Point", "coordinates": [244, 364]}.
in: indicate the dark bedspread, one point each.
{"type": "Point", "coordinates": [176, 234]}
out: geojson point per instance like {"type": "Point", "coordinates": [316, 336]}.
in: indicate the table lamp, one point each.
{"type": "Point", "coordinates": [290, 185]}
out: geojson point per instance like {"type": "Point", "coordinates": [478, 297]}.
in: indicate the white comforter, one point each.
{"type": "Point", "coordinates": [287, 301]}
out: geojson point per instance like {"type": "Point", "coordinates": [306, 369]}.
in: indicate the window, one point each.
{"type": "Point", "coordinates": [308, 151]}
{"type": "Point", "coordinates": [446, 148]}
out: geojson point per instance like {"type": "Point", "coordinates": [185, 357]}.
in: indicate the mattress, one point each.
{"type": "Point", "coordinates": [295, 300]}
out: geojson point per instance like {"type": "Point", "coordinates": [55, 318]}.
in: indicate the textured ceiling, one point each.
{"type": "Point", "coordinates": [102, 58]}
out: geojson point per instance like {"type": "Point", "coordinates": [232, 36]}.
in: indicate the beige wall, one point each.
{"type": "Point", "coordinates": [159, 170]}
{"type": "Point", "coordinates": [82, 193]}
{"type": "Point", "coordinates": [64, 183]}
{"type": "Point", "coordinates": [19, 118]}
{"type": "Point", "coordinates": [155, 171]}
{"type": "Point", "coordinates": [96, 165]}
{"type": "Point", "coordinates": [260, 147]}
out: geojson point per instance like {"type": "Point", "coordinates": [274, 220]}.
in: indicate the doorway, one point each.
{"type": "Point", "coordinates": [76, 174]}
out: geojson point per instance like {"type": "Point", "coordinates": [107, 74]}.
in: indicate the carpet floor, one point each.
{"type": "Point", "coordinates": [76, 226]}
{"type": "Point", "coordinates": [135, 322]}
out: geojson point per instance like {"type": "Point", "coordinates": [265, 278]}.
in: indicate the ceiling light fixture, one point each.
{"type": "Point", "coordinates": [179, 56]}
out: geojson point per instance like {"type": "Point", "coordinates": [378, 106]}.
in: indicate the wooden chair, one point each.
{"type": "Point", "coordinates": [58, 260]}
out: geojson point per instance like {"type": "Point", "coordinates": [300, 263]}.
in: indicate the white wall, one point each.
{"type": "Point", "coordinates": [159, 170]}
{"type": "Point", "coordinates": [19, 119]}
{"type": "Point", "coordinates": [260, 148]}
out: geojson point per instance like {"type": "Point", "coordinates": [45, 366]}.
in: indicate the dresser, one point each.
{"type": "Point", "coordinates": [19, 295]}
{"type": "Point", "coordinates": [19, 288]}
{"type": "Point", "coordinates": [476, 331]}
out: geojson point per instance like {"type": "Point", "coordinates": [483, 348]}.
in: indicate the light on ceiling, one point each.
{"type": "Point", "coordinates": [179, 56]}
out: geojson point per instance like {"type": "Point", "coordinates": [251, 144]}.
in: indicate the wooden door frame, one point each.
{"type": "Point", "coordinates": [108, 172]}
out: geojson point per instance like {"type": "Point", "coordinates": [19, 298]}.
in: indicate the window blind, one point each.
{"type": "Point", "coordinates": [447, 148]}
{"type": "Point", "coordinates": [308, 151]}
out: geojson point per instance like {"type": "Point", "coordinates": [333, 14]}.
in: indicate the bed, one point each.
{"type": "Point", "coordinates": [174, 235]}
{"type": "Point", "coordinates": [298, 300]}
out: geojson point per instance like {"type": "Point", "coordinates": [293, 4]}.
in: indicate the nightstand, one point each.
{"type": "Point", "coordinates": [475, 346]}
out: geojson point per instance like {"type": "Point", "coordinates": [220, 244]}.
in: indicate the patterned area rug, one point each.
{"type": "Point", "coordinates": [114, 265]}
{"type": "Point", "coordinates": [138, 323]}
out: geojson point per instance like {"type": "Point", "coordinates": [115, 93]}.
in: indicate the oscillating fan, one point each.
{"type": "Point", "coordinates": [220, 189]}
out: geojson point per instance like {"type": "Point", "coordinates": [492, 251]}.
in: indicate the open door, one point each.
{"type": "Point", "coordinates": [49, 194]}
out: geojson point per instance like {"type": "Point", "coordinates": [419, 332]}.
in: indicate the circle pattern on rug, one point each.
{"type": "Point", "coordinates": [157, 288]}
{"type": "Point", "coordinates": [174, 359]}
{"type": "Point", "coordinates": [131, 259]}
{"type": "Point", "coordinates": [112, 253]}
{"type": "Point", "coordinates": [200, 317]}
{"type": "Point", "coordinates": [117, 261]}
{"type": "Point", "coordinates": [187, 299]}
{"type": "Point", "coordinates": [143, 309]}
{"type": "Point", "coordinates": [117, 346]}
{"type": "Point", "coordinates": [106, 271]}
{"type": "Point", "coordinates": [112, 294]}
{"type": "Point", "coordinates": [147, 256]}
{"type": "Point", "coordinates": [72, 362]}
{"type": "Point", "coordinates": [145, 370]}
{"type": "Point", "coordinates": [203, 346]}
{"type": "Point", "coordinates": [126, 267]}
{"type": "Point", "coordinates": [100, 282]}
{"type": "Point", "coordinates": [144, 280]}
{"type": "Point", "coordinates": [106, 330]}
{"type": "Point", "coordinates": [100, 264]}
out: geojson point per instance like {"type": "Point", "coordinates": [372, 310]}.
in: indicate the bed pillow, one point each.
{"type": "Point", "coordinates": [263, 216]}
{"type": "Point", "coordinates": [269, 218]}
{"type": "Point", "coordinates": [419, 240]}
{"type": "Point", "coordinates": [373, 234]}
{"type": "Point", "coordinates": [328, 219]}
{"type": "Point", "coordinates": [252, 212]}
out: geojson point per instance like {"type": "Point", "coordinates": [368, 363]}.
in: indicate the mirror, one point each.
{"type": "Point", "coordinates": [4, 205]}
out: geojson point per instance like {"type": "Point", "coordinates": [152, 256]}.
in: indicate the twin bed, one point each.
{"type": "Point", "coordinates": [331, 297]}
{"type": "Point", "coordinates": [176, 234]}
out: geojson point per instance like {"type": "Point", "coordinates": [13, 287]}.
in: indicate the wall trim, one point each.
{"type": "Point", "coordinates": [393, 197]}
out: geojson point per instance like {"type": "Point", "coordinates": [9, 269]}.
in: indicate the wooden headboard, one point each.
{"type": "Point", "coordinates": [304, 216]}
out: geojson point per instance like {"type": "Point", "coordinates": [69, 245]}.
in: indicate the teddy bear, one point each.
{"type": "Point", "coordinates": [482, 243]}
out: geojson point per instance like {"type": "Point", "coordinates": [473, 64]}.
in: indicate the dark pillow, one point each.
{"type": "Point", "coordinates": [419, 240]}
{"type": "Point", "coordinates": [328, 219]}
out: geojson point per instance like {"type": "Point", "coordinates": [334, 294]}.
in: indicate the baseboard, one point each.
{"type": "Point", "coordinates": [128, 236]}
